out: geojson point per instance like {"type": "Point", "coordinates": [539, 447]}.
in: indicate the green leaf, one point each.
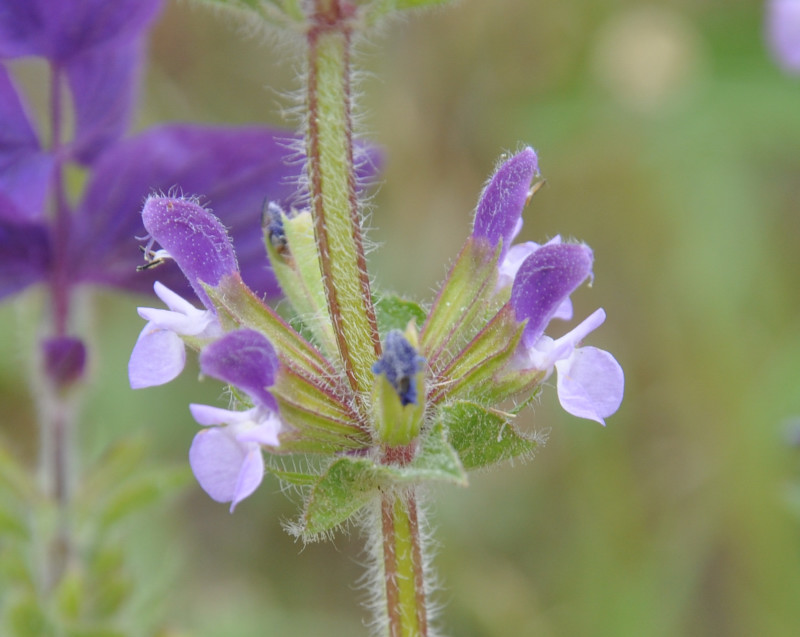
{"type": "Point", "coordinates": [119, 461]}
{"type": "Point", "coordinates": [13, 524]}
{"type": "Point", "coordinates": [70, 594]}
{"type": "Point", "coordinates": [14, 478]}
{"type": "Point", "coordinates": [152, 486]}
{"type": "Point", "coordinates": [27, 619]}
{"type": "Point", "coordinates": [347, 485]}
{"type": "Point", "coordinates": [394, 313]}
{"type": "Point", "coordinates": [483, 437]}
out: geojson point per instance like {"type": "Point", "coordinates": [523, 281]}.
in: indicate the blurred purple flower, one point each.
{"type": "Point", "coordinates": [93, 48]}
{"type": "Point", "coordinates": [783, 32]}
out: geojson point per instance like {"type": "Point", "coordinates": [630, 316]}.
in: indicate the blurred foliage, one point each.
{"type": "Point", "coordinates": [671, 144]}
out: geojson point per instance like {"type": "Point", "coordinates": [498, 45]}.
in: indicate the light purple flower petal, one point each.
{"type": "Point", "coordinates": [208, 416]}
{"type": "Point", "coordinates": [103, 82]}
{"type": "Point", "coordinates": [24, 169]}
{"type": "Point", "coordinates": [158, 357]}
{"type": "Point", "coordinates": [499, 210]}
{"type": "Point", "coordinates": [24, 252]}
{"type": "Point", "coordinates": [182, 317]}
{"type": "Point", "coordinates": [226, 469]}
{"type": "Point", "coordinates": [246, 359]}
{"type": "Point", "coordinates": [544, 281]}
{"type": "Point", "coordinates": [590, 384]}
{"type": "Point", "coordinates": [783, 32]}
{"type": "Point", "coordinates": [265, 433]}
{"type": "Point", "coordinates": [61, 29]}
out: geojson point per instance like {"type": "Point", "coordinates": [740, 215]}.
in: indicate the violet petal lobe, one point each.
{"type": "Point", "coordinates": [544, 281]}
{"type": "Point", "coordinates": [590, 384]}
{"type": "Point", "coordinates": [24, 169]}
{"type": "Point", "coordinates": [234, 169]}
{"type": "Point", "coordinates": [194, 238]}
{"type": "Point", "coordinates": [246, 359]}
{"type": "Point", "coordinates": [499, 210]}
{"type": "Point", "coordinates": [24, 253]}
{"type": "Point", "coordinates": [61, 29]}
{"type": "Point", "coordinates": [227, 470]}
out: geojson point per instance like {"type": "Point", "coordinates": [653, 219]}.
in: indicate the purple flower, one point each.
{"type": "Point", "coordinates": [783, 32]}
{"type": "Point", "coordinates": [226, 458]}
{"type": "Point", "coordinates": [590, 381]}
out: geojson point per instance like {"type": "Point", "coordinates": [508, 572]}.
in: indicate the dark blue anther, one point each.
{"type": "Point", "coordinates": [400, 363]}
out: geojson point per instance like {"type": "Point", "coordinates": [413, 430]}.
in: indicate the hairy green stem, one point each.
{"type": "Point", "coordinates": [334, 200]}
{"type": "Point", "coordinates": [403, 566]}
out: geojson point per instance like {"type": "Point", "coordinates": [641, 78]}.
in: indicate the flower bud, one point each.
{"type": "Point", "coordinates": [499, 213]}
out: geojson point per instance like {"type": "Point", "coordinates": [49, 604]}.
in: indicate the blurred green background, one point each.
{"type": "Point", "coordinates": [670, 142]}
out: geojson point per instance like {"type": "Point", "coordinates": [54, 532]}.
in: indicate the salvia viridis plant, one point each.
{"type": "Point", "coordinates": [356, 399]}
{"type": "Point", "coordinates": [361, 399]}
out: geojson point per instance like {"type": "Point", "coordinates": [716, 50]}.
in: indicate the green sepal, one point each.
{"type": "Point", "coordinates": [313, 409]}
{"type": "Point", "coordinates": [296, 266]}
{"type": "Point", "coordinates": [397, 424]}
{"type": "Point", "coordinates": [395, 313]}
{"type": "Point", "coordinates": [472, 372]}
{"type": "Point", "coordinates": [464, 304]}
{"type": "Point", "coordinates": [237, 306]}
{"type": "Point", "coordinates": [483, 437]}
